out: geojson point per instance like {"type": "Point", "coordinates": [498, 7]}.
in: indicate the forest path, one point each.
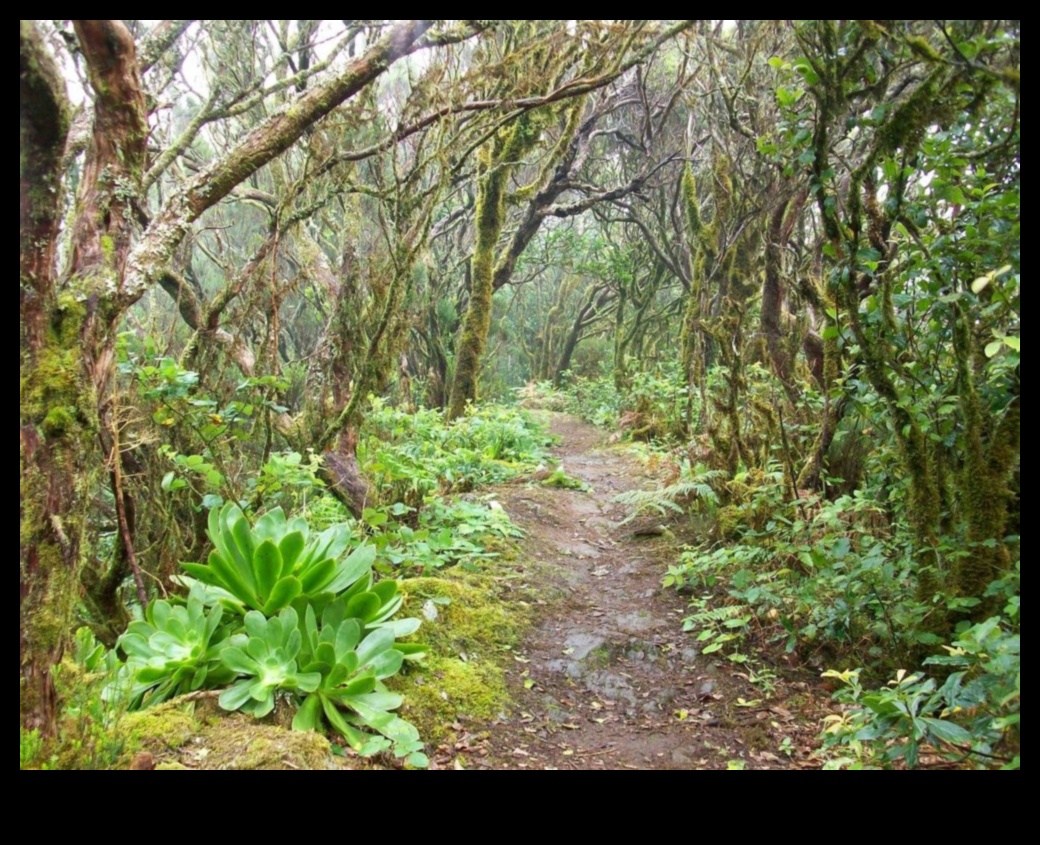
{"type": "Point", "coordinates": [606, 678]}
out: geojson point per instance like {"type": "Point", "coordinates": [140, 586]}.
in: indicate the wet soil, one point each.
{"type": "Point", "coordinates": [606, 678]}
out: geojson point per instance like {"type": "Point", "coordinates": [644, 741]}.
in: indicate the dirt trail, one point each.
{"type": "Point", "coordinates": [606, 679]}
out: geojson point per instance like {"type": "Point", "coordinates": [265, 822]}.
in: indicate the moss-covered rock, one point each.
{"type": "Point", "coordinates": [447, 689]}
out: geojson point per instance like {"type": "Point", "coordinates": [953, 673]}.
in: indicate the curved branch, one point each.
{"type": "Point", "coordinates": [269, 140]}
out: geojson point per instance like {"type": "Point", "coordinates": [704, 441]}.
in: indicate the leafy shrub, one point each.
{"type": "Point", "coordinates": [652, 407]}
{"type": "Point", "coordinates": [409, 456]}
{"type": "Point", "coordinates": [86, 735]}
{"type": "Point", "coordinates": [449, 531]}
{"type": "Point", "coordinates": [974, 715]}
{"type": "Point", "coordinates": [693, 484]}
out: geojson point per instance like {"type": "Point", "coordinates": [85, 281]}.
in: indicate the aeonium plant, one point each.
{"type": "Point", "coordinates": [175, 649]}
{"type": "Point", "coordinates": [251, 625]}
{"type": "Point", "coordinates": [278, 561]}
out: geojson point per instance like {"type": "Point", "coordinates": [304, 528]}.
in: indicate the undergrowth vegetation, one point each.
{"type": "Point", "coordinates": [836, 577]}
{"type": "Point", "coordinates": [300, 612]}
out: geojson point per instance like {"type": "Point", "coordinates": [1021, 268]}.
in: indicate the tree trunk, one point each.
{"type": "Point", "coordinates": [47, 549]}
{"type": "Point", "coordinates": [496, 160]}
{"type": "Point", "coordinates": [67, 356]}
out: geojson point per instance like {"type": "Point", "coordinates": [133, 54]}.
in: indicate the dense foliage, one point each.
{"type": "Point", "coordinates": [271, 271]}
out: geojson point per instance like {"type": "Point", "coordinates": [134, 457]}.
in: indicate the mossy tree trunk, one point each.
{"type": "Point", "coordinates": [46, 551]}
{"type": "Point", "coordinates": [496, 161]}
{"type": "Point", "coordinates": [66, 355]}
{"type": "Point", "coordinates": [993, 448]}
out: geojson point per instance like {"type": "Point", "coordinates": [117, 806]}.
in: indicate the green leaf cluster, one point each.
{"type": "Point", "coordinates": [268, 566]}
{"type": "Point", "coordinates": [280, 614]}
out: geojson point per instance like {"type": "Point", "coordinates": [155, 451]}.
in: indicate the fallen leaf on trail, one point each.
{"type": "Point", "coordinates": [601, 572]}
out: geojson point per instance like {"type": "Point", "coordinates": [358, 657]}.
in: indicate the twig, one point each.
{"type": "Point", "coordinates": [124, 525]}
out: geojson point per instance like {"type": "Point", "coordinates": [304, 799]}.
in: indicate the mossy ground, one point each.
{"type": "Point", "coordinates": [470, 628]}
{"type": "Point", "coordinates": [195, 734]}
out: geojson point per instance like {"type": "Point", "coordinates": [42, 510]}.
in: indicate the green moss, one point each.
{"type": "Point", "coordinates": [922, 48]}
{"type": "Point", "coordinates": [448, 688]}
{"type": "Point", "coordinates": [108, 249]}
{"type": "Point", "coordinates": [186, 734]}
{"type": "Point", "coordinates": [690, 205]}
{"type": "Point", "coordinates": [470, 616]}
{"type": "Point", "coordinates": [909, 121]}
{"type": "Point", "coordinates": [159, 729]}
{"type": "Point", "coordinates": [58, 420]}
{"type": "Point", "coordinates": [461, 676]}
{"type": "Point", "coordinates": [240, 742]}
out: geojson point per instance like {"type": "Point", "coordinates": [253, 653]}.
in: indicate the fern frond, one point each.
{"type": "Point", "coordinates": [717, 614]}
{"type": "Point", "coordinates": [693, 484]}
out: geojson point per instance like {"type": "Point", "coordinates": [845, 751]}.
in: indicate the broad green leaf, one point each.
{"type": "Point", "coordinates": [318, 576]}
{"type": "Point", "coordinates": [238, 661]}
{"type": "Point", "coordinates": [291, 546]}
{"type": "Point", "coordinates": [308, 717]}
{"type": "Point", "coordinates": [375, 643]}
{"type": "Point", "coordinates": [270, 526]}
{"type": "Point", "coordinates": [347, 637]}
{"type": "Point", "coordinates": [335, 675]}
{"type": "Point", "coordinates": [364, 606]}
{"type": "Point", "coordinates": [353, 567]}
{"type": "Point", "coordinates": [386, 589]}
{"type": "Point", "coordinates": [267, 566]}
{"type": "Point", "coordinates": [360, 686]}
{"type": "Point", "coordinates": [308, 681]}
{"type": "Point", "coordinates": [203, 573]}
{"type": "Point", "coordinates": [282, 594]}
{"type": "Point", "coordinates": [412, 651]}
{"type": "Point", "coordinates": [235, 696]}
{"type": "Point", "coordinates": [402, 627]}
{"type": "Point", "coordinates": [948, 731]}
